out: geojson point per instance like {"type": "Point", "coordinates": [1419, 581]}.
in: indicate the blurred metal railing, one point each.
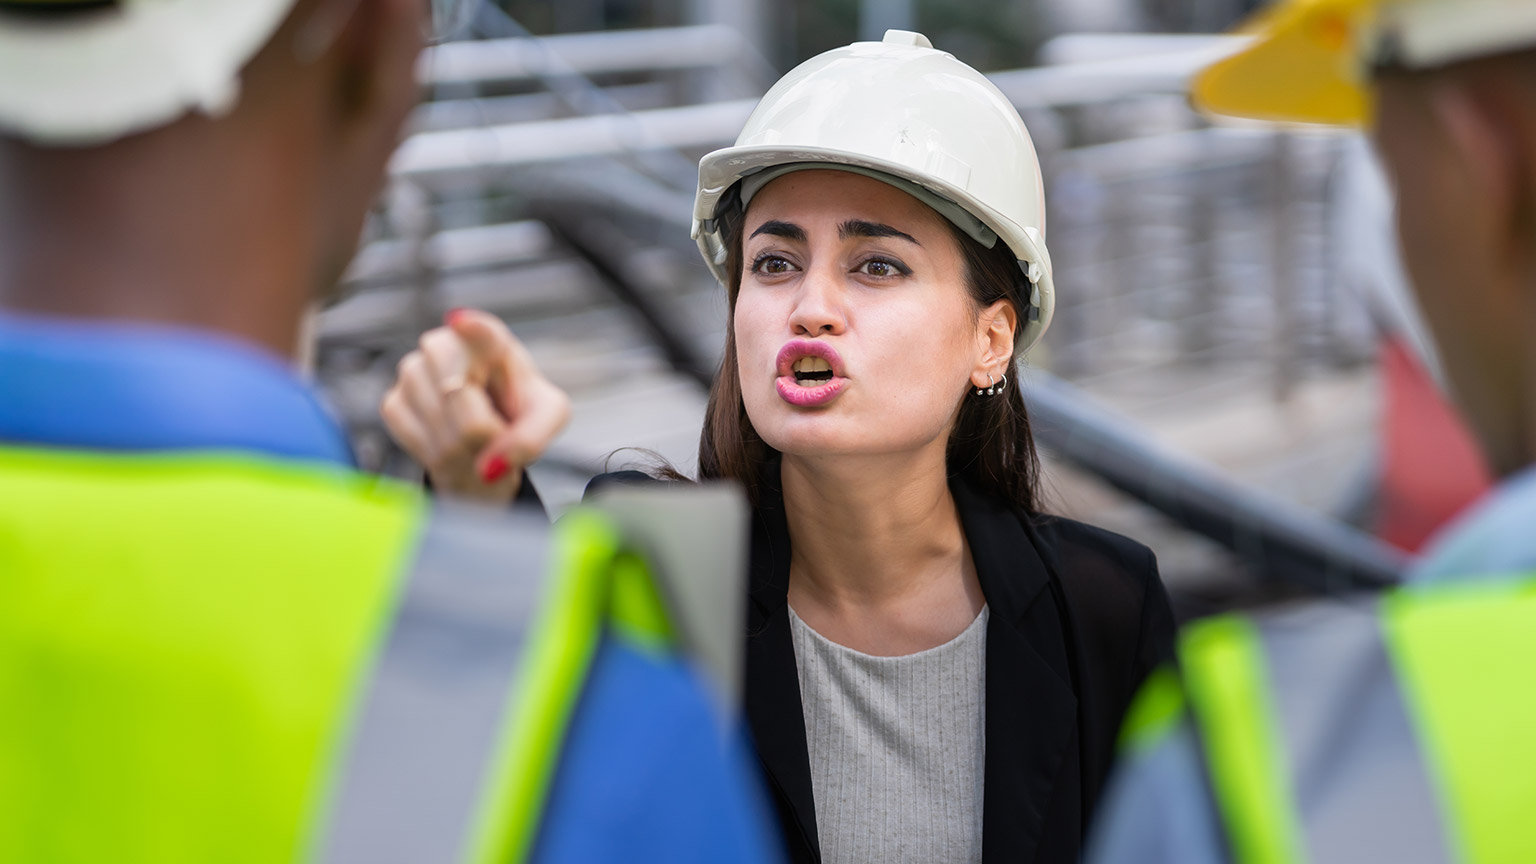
{"type": "Point", "coordinates": [520, 58]}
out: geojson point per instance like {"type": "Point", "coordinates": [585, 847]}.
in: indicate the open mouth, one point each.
{"type": "Point", "coordinates": [812, 371]}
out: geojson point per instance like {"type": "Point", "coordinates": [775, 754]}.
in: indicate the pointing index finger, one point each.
{"type": "Point", "coordinates": [485, 336]}
{"type": "Point", "coordinates": [496, 357]}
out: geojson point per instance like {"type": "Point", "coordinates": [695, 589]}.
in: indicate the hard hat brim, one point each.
{"type": "Point", "coordinates": [91, 77]}
{"type": "Point", "coordinates": [1303, 66]}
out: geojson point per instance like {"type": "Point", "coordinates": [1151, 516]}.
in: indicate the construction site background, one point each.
{"type": "Point", "coordinates": [1212, 384]}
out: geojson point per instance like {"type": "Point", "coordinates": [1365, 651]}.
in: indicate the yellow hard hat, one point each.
{"type": "Point", "coordinates": [1310, 60]}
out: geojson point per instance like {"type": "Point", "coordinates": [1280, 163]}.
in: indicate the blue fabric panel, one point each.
{"type": "Point", "coordinates": [647, 775]}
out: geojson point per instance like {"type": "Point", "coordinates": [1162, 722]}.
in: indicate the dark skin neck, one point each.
{"type": "Point", "coordinates": [151, 229]}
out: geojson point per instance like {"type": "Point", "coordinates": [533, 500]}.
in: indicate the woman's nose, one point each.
{"type": "Point", "coordinates": [818, 306]}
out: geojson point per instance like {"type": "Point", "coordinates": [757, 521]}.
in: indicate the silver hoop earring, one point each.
{"type": "Point", "coordinates": [1001, 385]}
{"type": "Point", "coordinates": [987, 390]}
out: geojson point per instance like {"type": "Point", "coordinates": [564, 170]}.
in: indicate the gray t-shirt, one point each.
{"type": "Point", "coordinates": [897, 747]}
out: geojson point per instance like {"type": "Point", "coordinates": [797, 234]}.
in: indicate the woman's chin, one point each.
{"type": "Point", "coordinates": [811, 435]}
{"type": "Point", "coordinates": [842, 428]}
{"type": "Point", "coordinates": [827, 436]}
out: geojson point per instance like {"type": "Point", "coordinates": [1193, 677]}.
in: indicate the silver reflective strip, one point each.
{"type": "Point", "coordinates": [431, 718]}
{"type": "Point", "coordinates": [1360, 783]}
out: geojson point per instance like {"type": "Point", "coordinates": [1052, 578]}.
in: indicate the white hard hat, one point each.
{"type": "Point", "coordinates": [902, 112]}
{"type": "Point", "coordinates": [88, 75]}
{"type": "Point", "coordinates": [82, 72]}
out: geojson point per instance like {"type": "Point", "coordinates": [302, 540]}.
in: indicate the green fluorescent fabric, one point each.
{"type": "Point", "coordinates": [1466, 656]}
{"type": "Point", "coordinates": [1154, 712]}
{"type": "Point", "coordinates": [181, 638]}
{"type": "Point", "coordinates": [636, 609]}
{"type": "Point", "coordinates": [1224, 670]}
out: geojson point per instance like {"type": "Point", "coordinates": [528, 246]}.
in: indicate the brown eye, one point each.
{"type": "Point", "coordinates": [881, 268]}
{"type": "Point", "coordinates": [772, 265]}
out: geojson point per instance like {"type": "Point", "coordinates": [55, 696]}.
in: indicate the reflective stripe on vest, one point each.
{"type": "Point", "coordinates": [461, 730]}
{"type": "Point", "coordinates": [1325, 744]}
{"type": "Point", "coordinates": [429, 725]}
{"type": "Point", "coordinates": [595, 580]}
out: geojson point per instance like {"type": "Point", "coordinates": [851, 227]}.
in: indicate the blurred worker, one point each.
{"type": "Point", "coordinates": [1401, 727]}
{"type": "Point", "coordinates": [218, 640]}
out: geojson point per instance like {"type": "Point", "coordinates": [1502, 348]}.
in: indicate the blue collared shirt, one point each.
{"type": "Point", "coordinates": [140, 387]}
{"type": "Point", "coordinates": [644, 776]}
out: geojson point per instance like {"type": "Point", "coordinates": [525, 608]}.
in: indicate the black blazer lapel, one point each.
{"type": "Point", "coordinates": [1031, 723]}
{"type": "Point", "coordinates": [774, 711]}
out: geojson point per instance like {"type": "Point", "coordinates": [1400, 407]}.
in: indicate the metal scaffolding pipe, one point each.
{"type": "Point", "coordinates": [672, 48]}
{"type": "Point", "coordinates": [498, 147]}
{"type": "Point", "coordinates": [458, 249]}
{"type": "Point", "coordinates": [1104, 80]}
{"type": "Point", "coordinates": [1077, 48]}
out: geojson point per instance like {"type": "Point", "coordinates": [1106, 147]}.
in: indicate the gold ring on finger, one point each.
{"type": "Point", "coordinates": [454, 385]}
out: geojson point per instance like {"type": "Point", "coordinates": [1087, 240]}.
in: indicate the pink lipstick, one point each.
{"type": "Point", "coordinates": [811, 373]}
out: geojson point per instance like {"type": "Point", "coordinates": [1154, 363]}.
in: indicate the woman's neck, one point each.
{"type": "Point", "coordinates": [879, 560]}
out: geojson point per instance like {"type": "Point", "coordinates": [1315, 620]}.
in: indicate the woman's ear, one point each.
{"type": "Point", "coordinates": [994, 341]}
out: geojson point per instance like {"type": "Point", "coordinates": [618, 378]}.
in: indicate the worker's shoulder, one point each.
{"type": "Point", "coordinates": [645, 761]}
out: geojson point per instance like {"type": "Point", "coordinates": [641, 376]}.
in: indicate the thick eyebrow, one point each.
{"type": "Point", "coordinates": [787, 230]}
{"type": "Point", "coordinates": [860, 228]}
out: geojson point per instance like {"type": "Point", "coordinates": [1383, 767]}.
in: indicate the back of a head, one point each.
{"type": "Point", "coordinates": [1314, 61]}
{"type": "Point", "coordinates": [1447, 91]}
{"type": "Point", "coordinates": [80, 73]}
{"type": "Point", "coordinates": [207, 137]}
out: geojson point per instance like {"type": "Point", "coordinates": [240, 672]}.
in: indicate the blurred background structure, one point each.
{"type": "Point", "coordinates": [1234, 376]}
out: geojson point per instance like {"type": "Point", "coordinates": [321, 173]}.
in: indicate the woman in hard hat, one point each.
{"type": "Point", "coordinates": [936, 671]}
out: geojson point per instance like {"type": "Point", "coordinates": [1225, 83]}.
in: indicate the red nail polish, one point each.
{"type": "Point", "coordinates": [495, 468]}
{"type": "Point", "coordinates": [453, 314]}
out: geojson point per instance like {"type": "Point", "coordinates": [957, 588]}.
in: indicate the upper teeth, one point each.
{"type": "Point", "coordinates": [811, 364]}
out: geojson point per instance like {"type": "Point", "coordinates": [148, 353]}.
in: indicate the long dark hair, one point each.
{"type": "Point", "coordinates": [991, 443]}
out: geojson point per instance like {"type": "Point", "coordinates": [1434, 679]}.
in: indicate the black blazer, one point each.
{"type": "Point", "coordinates": [1079, 619]}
